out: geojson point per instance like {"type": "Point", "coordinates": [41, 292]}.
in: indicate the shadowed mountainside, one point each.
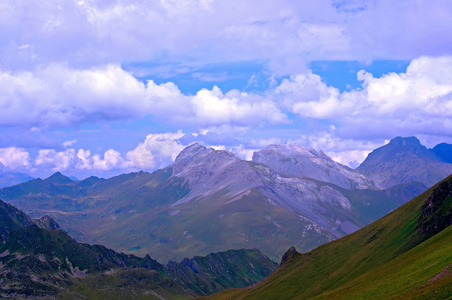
{"type": "Point", "coordinates": [44, 262]}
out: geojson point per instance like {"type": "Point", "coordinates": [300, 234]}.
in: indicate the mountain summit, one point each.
{"type": "Point", "coordinates": [299, 161]}
{"type": "Point", "coordinates": [404, 160]}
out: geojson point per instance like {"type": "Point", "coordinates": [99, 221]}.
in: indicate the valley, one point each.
{"type": "Point", "coordinates": [210, 201]}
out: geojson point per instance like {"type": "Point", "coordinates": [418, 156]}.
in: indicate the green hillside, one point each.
{"type": "Point", "coordinates": [406, 254]}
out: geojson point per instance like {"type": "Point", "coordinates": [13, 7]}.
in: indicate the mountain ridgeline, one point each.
{"type": "Point", "coordinates": [405, 160]}
{"type": "Point", "coordinates": [405, 255]}
{"type": "Point", "coordinates": [40, 260]}
{"type": "Point", "coordinates": [211, 201]}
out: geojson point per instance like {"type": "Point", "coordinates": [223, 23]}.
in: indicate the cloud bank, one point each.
{"type": "Point", "coordinates": [191, 32]}
{"type": "Point", "coordinates": [58, 96]}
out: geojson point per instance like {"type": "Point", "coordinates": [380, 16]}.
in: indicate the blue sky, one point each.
{"type": "Point", "coordinates": [108, 87]}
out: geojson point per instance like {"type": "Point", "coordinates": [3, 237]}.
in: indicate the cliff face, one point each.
{"type": "Point", "coordinates": [436, 213]}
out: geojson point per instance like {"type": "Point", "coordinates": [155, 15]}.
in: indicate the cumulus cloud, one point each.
{"type": "Point", "coordinates": [243, 152]}
{"type": "Point", "coordinates": [158, 150]}
{"type": "Point", "coordinates": [55, 160]}
{"type": "Point", "coordinates": [60, 96]}
{"type": "Point", "coordinates": [215, 108]}
{"type": "Point", "coordinates": [418, 101]}
{"type": "Point", "coordinates": [12, 158]}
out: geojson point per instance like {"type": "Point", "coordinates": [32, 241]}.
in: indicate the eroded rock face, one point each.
{"type": "Point", "coordinates": [210, 171]}
{"type": "Point", "coordinates": [437, 211]}
{"type": "Point", "coordinates": [299, 161]}
{"type": "Point", "coordinates": [47, 222]}
{"type": "Point", "coordinates": [289, 255]}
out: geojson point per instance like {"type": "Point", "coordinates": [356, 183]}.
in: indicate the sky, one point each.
{"type": "Point", "coordinates": [108, 87]}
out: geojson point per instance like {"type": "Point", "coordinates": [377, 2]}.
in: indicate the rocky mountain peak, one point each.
{"type": "Point", "coordinates": [410, 141]}
{"type": "Point", "coordinates": [190, 151]}
{"type": "Point", "coordinates": [289, 255]}
{"type": "Point", "coordinates": [444, 152]}
{"type": "Point", "coordinates": [286, 150]}
{"type": "Point", "coordinates": [401, 146]}
{"type": "Point", "coordinates": [300, 161]}
{"type": "Point", "coordinates": [58, 178]}
{"type": "Point", "coordinates": [47, 222]}
{"type": "Point", "coordinates": [196, 156]}
{"type": "Point", "coordinates": [404, 160]}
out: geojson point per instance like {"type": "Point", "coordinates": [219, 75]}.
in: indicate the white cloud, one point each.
{"type": "Point", "coordinates": [418, 101]}
{"type": "Point", "coordinates": [55, 160]}
{"type": "Point", "coordinates": [69, 143]}
{"type": "Point", "coordinates": [307, 95]}
{"type": "Point", "coordinates": [157, 151]}
{"type": "Point", "coordinates": [244, 153]}
{"type": "Point", "coordinates": [87, 33]}
{"type": "Point", "coordinates": [60, 96]}
{"type": "Point", "coordinates": [264, 142]}
{"type": "Point", "coordinates": [15, 159]}
{"type": "Point", "coordinates": [215, 108]}
{"type": "Point", "coordinates": [112, 159]}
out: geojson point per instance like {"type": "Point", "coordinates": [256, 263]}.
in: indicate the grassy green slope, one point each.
{"type": "Point", "coordinates": [366, 262]}
{"type": "Point", "coordinates": [214, 224]}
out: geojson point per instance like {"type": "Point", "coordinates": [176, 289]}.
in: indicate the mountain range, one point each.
{"type": "Point", "coordinates": [405, 160]}
{"type": "Point", "coordinates": [405, 255]}
{"type": "Point", "coordinates": [12, 178]}
{"type": "Point", "coordinates": [210, 200]}
{"type": "Point", "coordinates": [38, 259]}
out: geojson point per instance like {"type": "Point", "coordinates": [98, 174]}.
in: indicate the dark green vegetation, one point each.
{"type": "Point", "coordinates": [406, 254]}
{"type": "Point", "coordinates": [46, 262]}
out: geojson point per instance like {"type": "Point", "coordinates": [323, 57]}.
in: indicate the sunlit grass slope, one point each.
{"type": "Point", "coordinates": [401, 255]}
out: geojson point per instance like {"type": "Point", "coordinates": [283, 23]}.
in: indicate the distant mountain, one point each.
{"type": "Point", "coordinates": [444, 152]}
{"type": "Point", "coordinates": [45, 262]}
{"type": "Point", "coordinates": [405, 160]}
{"type": "Point", "coordinates": [10, 178]}
{"type": "Point", "coordinates": [304, 162]}
{"type": "Point", "coordinates": [211, 201]}
{"type": "Point", "coordinates": [405, 255]}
